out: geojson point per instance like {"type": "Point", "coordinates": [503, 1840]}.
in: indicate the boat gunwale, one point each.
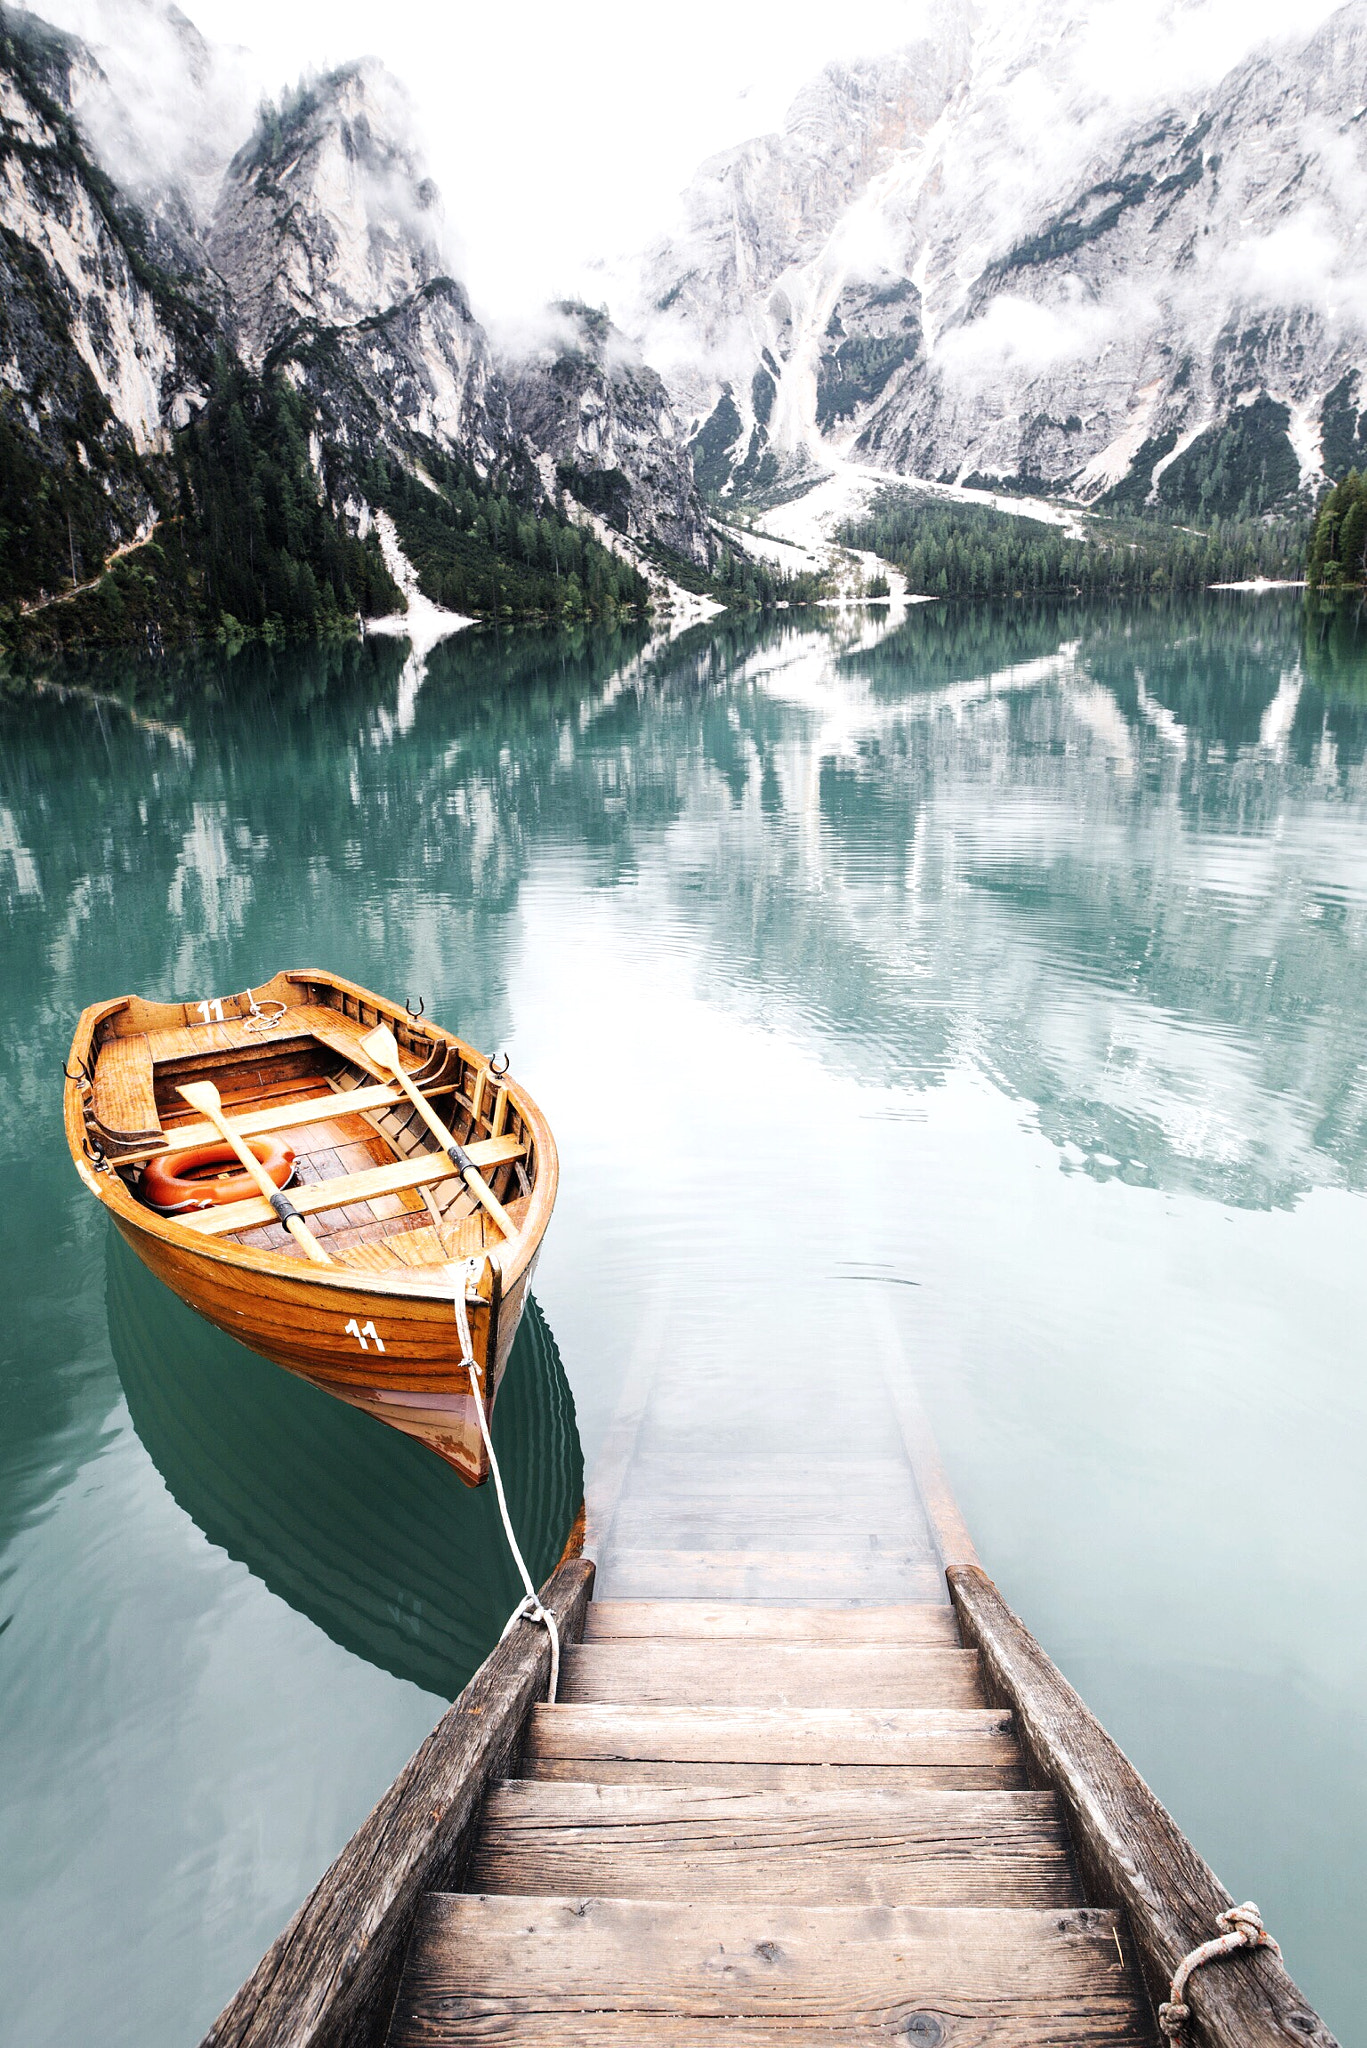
{"type": "Point", "coordinates": [412, 1282]}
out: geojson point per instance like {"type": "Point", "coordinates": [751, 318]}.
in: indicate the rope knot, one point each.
{"type": "Point", "coordinates": [1242, 1928]}
{"type": "Point", "coordinates": [530, 1609]}
{"type": "Point", "coordinates": [1247, 1922]}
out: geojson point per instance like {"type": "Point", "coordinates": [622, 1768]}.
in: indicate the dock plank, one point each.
{"type": "Point", "coordinates": [847, 1578]}
{"type": "Point", "coordinates": [801, 1527]}
{"type": "Point", "coordinates": [775, 1735]}
{"type": "Point", "coordinates": [579, 1970]}
{"type": "Point", "coordinates": [772, 1777]}
{"type": "Point", "coordinates": [664, 1672]}
{"type": "Point", "coordinates": [835, 1846]}
{"type": "Point", "coordinates": [655, 1475]}
{"type": "Point", "coordinates": [627, 1620]}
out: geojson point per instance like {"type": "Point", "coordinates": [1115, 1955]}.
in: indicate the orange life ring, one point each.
{"type": "Point", "coordinates": [175, 1181]}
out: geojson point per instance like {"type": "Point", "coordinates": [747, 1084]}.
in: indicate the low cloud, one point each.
{"type": "Point", "coordinates": [1302, 263]}
{"type": "Point", "coordinates": [1027, 336]}
{"type": "Point", "coordinates": [170, 110]}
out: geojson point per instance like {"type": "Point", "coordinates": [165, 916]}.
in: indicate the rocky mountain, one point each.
{"type": "Point", "coordinates": [970, 263]}
{"type": "Point", "coordinates": [603, 422]}
{"type": "Point", "coordinates": [106, 344]}
{"type": "Point", "coordinates": [254, 354]}
{"type": "Point", "coordinates": [330, 239]}
{"type": "Point", "coordinates": [231, 338]}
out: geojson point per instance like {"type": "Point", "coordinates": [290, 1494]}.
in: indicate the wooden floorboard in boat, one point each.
{"type": "Point", "coordinates": [833, 1846]}
{"type": "Point", "coordinates": [587, 1971]}
{"type": "Point", "coordinates": [419, 1246]}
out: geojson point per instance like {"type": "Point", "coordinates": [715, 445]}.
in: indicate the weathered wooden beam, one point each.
{"type": "Point", "coordinates": [330, 1978]}
{"type": "Point", "coordinates": [1132, 1853]}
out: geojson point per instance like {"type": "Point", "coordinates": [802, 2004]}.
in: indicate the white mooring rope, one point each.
{"type": "Point", "coordinates": [529, 1608]}
{"type": "Point", "coordinates": [1244, 1928]}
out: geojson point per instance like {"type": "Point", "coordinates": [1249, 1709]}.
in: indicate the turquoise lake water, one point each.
{"type": "Point", "coordinates": [991, 987]}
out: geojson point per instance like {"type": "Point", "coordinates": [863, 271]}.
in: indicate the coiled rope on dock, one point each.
{"type": "Point", "coordinates": [529, 1608]}
{"type": "Point", "coordinates": [1244, 1928]}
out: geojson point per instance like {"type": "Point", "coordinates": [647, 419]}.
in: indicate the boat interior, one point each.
{"type": "Point", "coordinates": [288, 1061]}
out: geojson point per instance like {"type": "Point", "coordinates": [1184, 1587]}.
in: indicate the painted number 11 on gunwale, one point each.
{"type": "Point", "coordinates": [362, 1331]}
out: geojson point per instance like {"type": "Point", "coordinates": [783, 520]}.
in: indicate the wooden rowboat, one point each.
{"type": "Point", "coordinates": [401, 1234]}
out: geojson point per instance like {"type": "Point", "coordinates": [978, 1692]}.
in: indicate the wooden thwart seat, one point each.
{"type": "Point", "coordinates": [424, 1171]}
{"type": "Point", "coordinates": [332, 1028]}
{"type": "Point", "coordinates": [289, 1116]}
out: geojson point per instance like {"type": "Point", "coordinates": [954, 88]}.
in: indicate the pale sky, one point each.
{"type": "Point", "coordinates": [562, 131]}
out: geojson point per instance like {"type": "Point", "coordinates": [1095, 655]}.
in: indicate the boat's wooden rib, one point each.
{"type": "Point", "coordinates": [347, 1188]}
{"type": "Point", "coordinates": [374, 1324]}
{"type": "Point", "coordinates": [124, 1095]}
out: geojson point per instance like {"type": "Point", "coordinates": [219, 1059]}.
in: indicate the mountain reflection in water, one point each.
{"type": "Point", "coordinates": [1017, 952]}
{"type": "Point", "coordinates": [357, 1526]}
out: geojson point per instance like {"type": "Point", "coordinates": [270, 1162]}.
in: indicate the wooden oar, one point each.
{"type": "Point", "coordinates": [382, 1047]}
{"type": "Point", "coordinates": [203, 1096]}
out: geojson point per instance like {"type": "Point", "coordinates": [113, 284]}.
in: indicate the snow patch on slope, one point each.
{"type": "Point", "coordinates": [424, 623]}
{"type": "Point", "coordinates": [800, 535]}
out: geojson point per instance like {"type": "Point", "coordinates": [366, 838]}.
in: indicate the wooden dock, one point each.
{"type": "Point", "coordinates": [808, 1781]}
{"type": "Point", "coordinates": [760, 1823]}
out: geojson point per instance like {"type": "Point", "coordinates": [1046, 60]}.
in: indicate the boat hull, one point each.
{"type": "Point", "coordinates": [387, 1342]}
{"type": "Point", "coordinates": [330, 1335]}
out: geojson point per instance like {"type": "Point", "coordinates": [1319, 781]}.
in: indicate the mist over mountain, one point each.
{"type": "Point", "coordinates": [249, 377]}
{"type": "Point", "coordinates": [968, 261]}
{"type": "Point", "coordinates": [241, 379]}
